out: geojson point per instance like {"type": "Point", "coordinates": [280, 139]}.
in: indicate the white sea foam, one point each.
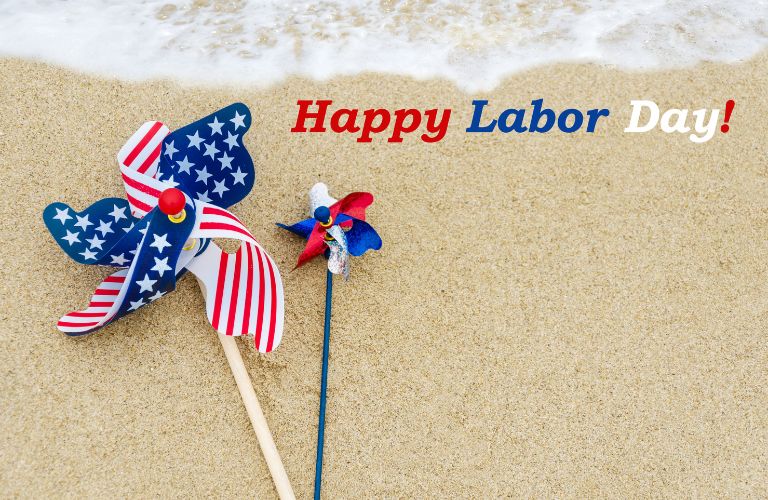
{"type": "Point", "coordinates": [472, 43]}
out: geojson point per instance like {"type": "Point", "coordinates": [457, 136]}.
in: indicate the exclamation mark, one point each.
{"type": "Point", "coordinates": [728, 110]}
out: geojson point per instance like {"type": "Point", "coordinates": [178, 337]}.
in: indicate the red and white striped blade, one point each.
{"type": "Point", "coordinates": [101, 308]}
{"type": "Point", "coordinates": [243, 293]}
{"type": "Point", "coordinates": [215, 222]}
{"type": "Point", "coordinates": [141, 154]}
{"type": "Point", "coordinates": [141, 190]}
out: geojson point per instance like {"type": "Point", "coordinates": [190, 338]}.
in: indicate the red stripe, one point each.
{"type": "Point", "coordinates": [100, 291]}
{"type": "Point", "coordinates": [114, 279]}
{"type": "Point", "coordinates": [78, 325]}
{"type": "Point", "coordinates": [100, 304]}
{"type": "Point", "coordinates": [219, 291]}
{"type": "Point", "coordinates": [140, 186]}
{"type": "Point", "coordinates": [260, 310]}
{"type": "Point", "coordinates": [138, 203]}
{"type": "Point", "coordinates": [79, 314]}
{"type": "Point", "coordinates": [150, 159]}
{"type": "Point", "coordinates": [248, 290]}
{"type": "Point", "coordinates": [143, 142]}
{"type": "Point", "coordinates": [235, 292]}
{"type": "Point", "coordinates": [273, 304]}
{"type": "Point", "coordinates": [225, 227]}
{"type": "Point", "coordinates": [218, 211]}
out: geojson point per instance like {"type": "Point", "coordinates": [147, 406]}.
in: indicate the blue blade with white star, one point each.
{"type": "Point", "coordinates": [88, 236]}
{"type": "Point", "coordinates": [208, 160]}
{"type": "Point", "coordinates": [160, 259]}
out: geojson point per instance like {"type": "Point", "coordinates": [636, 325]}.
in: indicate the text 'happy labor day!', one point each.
{"type": "Point", "coordinates": [431, 125]}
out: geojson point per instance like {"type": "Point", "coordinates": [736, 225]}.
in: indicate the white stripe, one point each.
{"type": "Point", "coordinates": [280, 312]}
{"type": "Point", "coordinates": [267, 304]}
{"type": "Point", "coordinates": [255, 292]}
{"type": "Point", "coordinates": [242, 289]}
{"type": "Point", "coordinates": [223, 219]}
{"type": "Point", "coordinates": [229, 278]}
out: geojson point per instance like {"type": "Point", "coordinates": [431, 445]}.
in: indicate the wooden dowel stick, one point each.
{"type": "Point", "coordinates": [267, 444]}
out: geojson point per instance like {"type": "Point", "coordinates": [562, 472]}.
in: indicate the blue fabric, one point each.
{"type": "Point", "coordinates": [207, 158]}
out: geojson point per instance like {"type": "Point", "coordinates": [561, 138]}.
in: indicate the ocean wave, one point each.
{"type": "Point", "coordinates": [474, 44]}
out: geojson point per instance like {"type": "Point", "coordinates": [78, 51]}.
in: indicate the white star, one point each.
{"type": "Point", "coordinates": [231, 140]}
{"type": "Point", "coordinates": [87, 254]}
{"type": "Point", "coordinates": [156, 296]}
{"type": "Point", "coordinates": [119, 260]}
{"type": "Point", "coordinates": [238, 120]}
{"type": "Point", "coordinates": [104, 227]}
{"type": "Point", "coordinates": [143, 230]}
{"type": "Point", "coordinates": [170, 150]}
{"type": "Point", "coordinates": [203, 196]}
{"type": "Point", "coordinates": [171, 181]}
{"type": "Point", "coordinates": [136, 305]}
{"type": "Point", "coordinates": [128, 229]}
{"type": "Point", "coordinates": [185, 164]}
{"type": "Point", "coordinates": [239, 177]}
{"type": "Point", "coordinates": [160, 242]}
{"type": "Point", "coordinates": [83, 222]}
{"type": "Point", "coordinates": [62, 215]}
{"type": "Point", "coordinates": [71, 237]}
{"type": "Point", "coordinates": [215, 126]}
{"type": "Point", "coordinates": [226, 161]}
{"type": "Point", "coordinates": [220, 188]}
{"type": "Point", "coordinates": [133, 252]}
{"type": "Point", "coordinates": [210, 149]}
{"type": "Point", "coordinates": [195, 140]}
{"type": "Point", "coordinates": [161, 266]}
{"type": "Point", "coordinates": [118, 213]}
{"type": "Point", "coordinates": [95, 242]}
{"type": "Point", "coordinates": [146, 283]}
{"type": "Point", "coordinates": [203, 175]}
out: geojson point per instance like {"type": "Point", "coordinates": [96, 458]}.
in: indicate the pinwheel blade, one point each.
{"type": "Point", "coordinates": [243, 293]}
{"type": "Point", "coordinates": [100, 310]}
{"type": "Point", "coordinates": [319, 197]}
{"type": "Point", "coordinates": [208, 159]}
{"type": "Point", "coordinates": [155, 264]}
{"type": "Point", "coordinates": [338, 258]}
{"type": "Point", "coordinates": [141, 154]}
{"type": "Point", "coordinates": [361, 237]}
{"type": "Point", "coordinates": [89, 236]}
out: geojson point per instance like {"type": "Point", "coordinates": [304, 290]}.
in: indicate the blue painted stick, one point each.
{"type": "Point", "coordinates": [323, 385]}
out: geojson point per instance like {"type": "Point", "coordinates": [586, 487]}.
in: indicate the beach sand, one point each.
{"type": "Point", "coordinates": [560, 315]}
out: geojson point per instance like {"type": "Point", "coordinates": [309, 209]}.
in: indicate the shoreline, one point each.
{"type": "Point", "coordinates": [550, 315]}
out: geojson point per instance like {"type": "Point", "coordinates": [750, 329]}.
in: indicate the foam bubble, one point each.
{"type": "Point", "coordinates": [472, 43]}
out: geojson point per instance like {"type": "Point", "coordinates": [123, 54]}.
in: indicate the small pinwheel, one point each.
{"type": "Point", "coordinates": [338, 226]}
{"type": "Point", "coordinates": [338, 229]}
{"type": "Point", "coordinates": [178, 186]}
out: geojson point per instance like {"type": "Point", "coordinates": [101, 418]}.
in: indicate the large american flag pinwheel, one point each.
{"type": "Point", "coordinates": [178, 186]}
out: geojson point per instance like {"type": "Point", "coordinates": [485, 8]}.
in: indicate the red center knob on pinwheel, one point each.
{"type": "Point", "coordinates": [171, 201]}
